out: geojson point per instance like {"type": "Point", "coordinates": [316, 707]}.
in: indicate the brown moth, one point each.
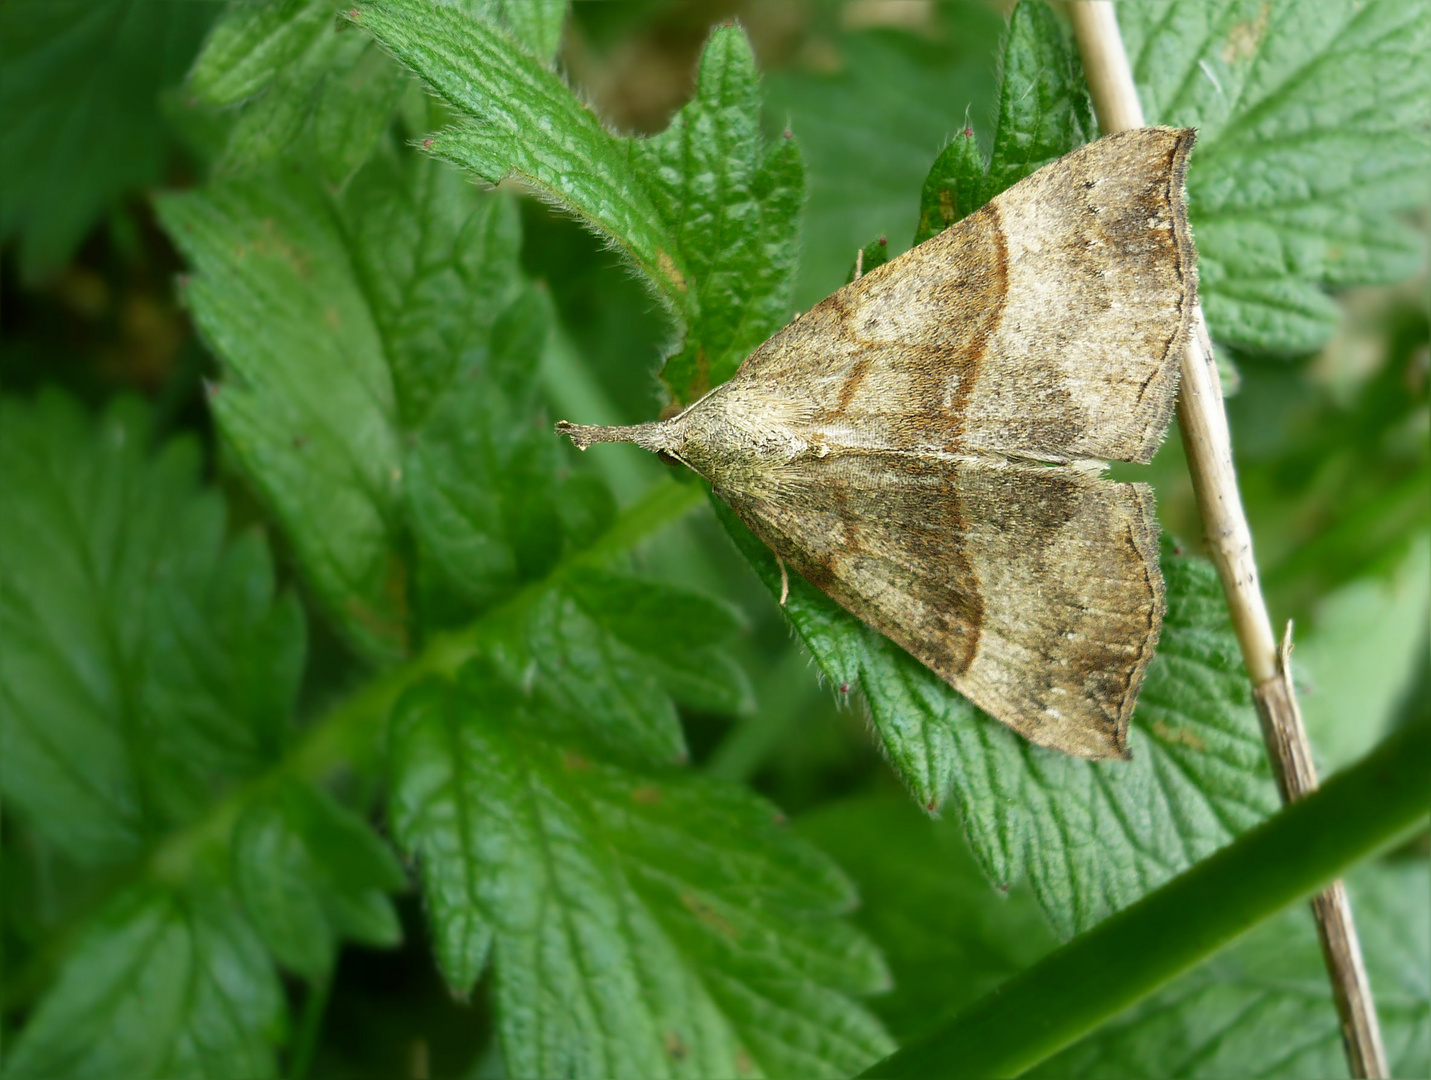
{"type": "Point", "coordinates": [925, 444]}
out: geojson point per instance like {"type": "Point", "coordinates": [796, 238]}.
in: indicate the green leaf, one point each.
{"type": "Point", "coordinates": [387, 409]}
{"type": "Point", "coordinates": [80, 126]}
{"type": "Point", "coordinates": [676, 635]}
{"type": "Point", "coordinates": [734, 210]}
{"type": "Point", "coordinates": [535, 23]}
{"type": "Point", "coordinates": [1091, 837]}
{"type": "Point", "coordinates": [870, 115]}
{"type": "Point", "coordinates": [340, 330]}
{"type": "Point", "coordinates": [290, 67]}
{"type": "Point", "coordinates": [147, 663]}
{"type": "Point", "coordinates": [953, 188]}
{"type": "Point", "coordinates": [307, 400]}
{"type": "Point", "coordinates": [481, 476]}
{"type": "Point", "coordinates": [872, 255]}
{"type": "Point", "coordinates": [162, 984]}
{"type": "Point", "coordinates": [310, 872]}
{"type": "Point", "coordinates": [947, 937]}
{"type": "Point", "coordinates": [704, 212]}
{"type": "Point", "coordinates": [1313, 136]}
{"type": "Point", "coordinates": [251, 45]}
{"type": "Point", "coordinates": [605, 653]}
{"type": "Point", "coordinates": [639, 924]}
{"type": "Point", "coordinates": [356, 100]}
{"type": "Point", "coordinates": [527, 124]}
{"type": "Point", "coordinates": [1216, 1020]}
{"type": "Point", "coordinates": [1043, 113]}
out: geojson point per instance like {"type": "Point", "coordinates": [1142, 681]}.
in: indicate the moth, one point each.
{"type": "Point", "coordinates": [925, 445]}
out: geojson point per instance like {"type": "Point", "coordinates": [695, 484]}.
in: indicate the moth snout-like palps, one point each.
{"type": "Point", "coordinates": [924, 444]}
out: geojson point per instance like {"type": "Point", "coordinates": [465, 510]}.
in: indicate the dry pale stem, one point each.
{"type": "Point", "coordinates": [1203, 422]}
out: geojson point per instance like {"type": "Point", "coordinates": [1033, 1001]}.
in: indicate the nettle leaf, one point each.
{"type": "Point", "coordinates": [734, 210]}
{"type": "Point", "coordinates": [148, 670]}
{"type": "Point", "coordinates": [532, 128]}
{"type": "Point", "coordinates": [954, 187]}
{"type": "Point", "coordinates": [869, 125]}
{"type": "Point", "coordinates": [345, 335]}
{"type": "Point", "coordinates": [310, 873]}
{"type": "Point", "coordinates": [536, 24]}
{"type": "Point", "coordinates": [638, 924]}
{"type": "Point", "coordinates": [290, 67]}
{"type": "Point", "coordinates": [251, 44]}
{"type": "Point", "coordinates": [707, 215]}
{"type": "Point", "coordinates": [147, 662]}
{"type": "Point", "coordinates": [1314, 133]}
{"type": "Point", "coordinates": [1091, 837]}
{"type": "Point", "coordinates": [1044, 109]}
{"type": "Point", "coordinates": [80, 125]}
{"type": "Point", "coordinates": [1044, 112]}
{"type": "Point", "coordinates": [1216, 1020]}
{"type": "Point", "coordinates": [163, 983]}
{"type": "Point", "coordinates": [381, 390]}
{"type": "Point", "coordinates": [607, 652]}
{"type": "Point", "coordinates": [307, 400]}
{"type": "Point", "coordinates": [677, 633]}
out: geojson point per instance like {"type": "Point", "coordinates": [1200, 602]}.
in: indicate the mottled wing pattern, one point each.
{"type": "Point", "coordinates": [1034, 591]}
{"type": "Point", "coordinates": [1046, 325]}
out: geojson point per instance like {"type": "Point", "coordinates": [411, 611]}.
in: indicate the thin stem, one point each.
{"type": "Point", "coordinates": [1075, 989]}
{"type": "Point", "coordinates": [310, 1026]}
{"type": "Point", "coordinates": [1203, 422]}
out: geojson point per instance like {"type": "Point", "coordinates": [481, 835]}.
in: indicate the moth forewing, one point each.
{"type": "Point", "coordinates": [918, 444]}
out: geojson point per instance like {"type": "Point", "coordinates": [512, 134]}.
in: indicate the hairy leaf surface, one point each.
{"type": "Point", "coordinates": [706, 213]}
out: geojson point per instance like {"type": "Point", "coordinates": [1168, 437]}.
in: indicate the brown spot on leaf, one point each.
{"type": "Point", "coordinates": [646, 795]}
{"type": "Point", "coordinates": [1244, 38]}
{"type": "Point", "coordinates": [667, 266]}
{"type": "Point", "coordinates": [676, 1050]}
{"type": "Point", "coordinates": [1181, 735]}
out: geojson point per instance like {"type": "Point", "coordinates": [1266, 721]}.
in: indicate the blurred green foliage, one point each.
{"type": "Point", "coordinates": [342, 502]}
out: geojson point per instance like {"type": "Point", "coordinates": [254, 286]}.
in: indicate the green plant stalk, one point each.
{"type": "Point", "coordinates": [1097, 975]}
{"type": "Point", "coordinates": [351, 733]}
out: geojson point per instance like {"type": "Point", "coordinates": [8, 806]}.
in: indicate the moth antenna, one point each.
{"type": "Point", "coordinates": [653, 436]}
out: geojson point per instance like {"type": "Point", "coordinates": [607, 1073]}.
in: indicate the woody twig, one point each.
{"type": "Point", "coordinates": [1203, 422]}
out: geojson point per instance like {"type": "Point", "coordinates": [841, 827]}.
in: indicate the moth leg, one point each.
{"type": "Point", "coordinates": [859, 264]}
{"type": "Point", "coordinates": [784, 581]}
